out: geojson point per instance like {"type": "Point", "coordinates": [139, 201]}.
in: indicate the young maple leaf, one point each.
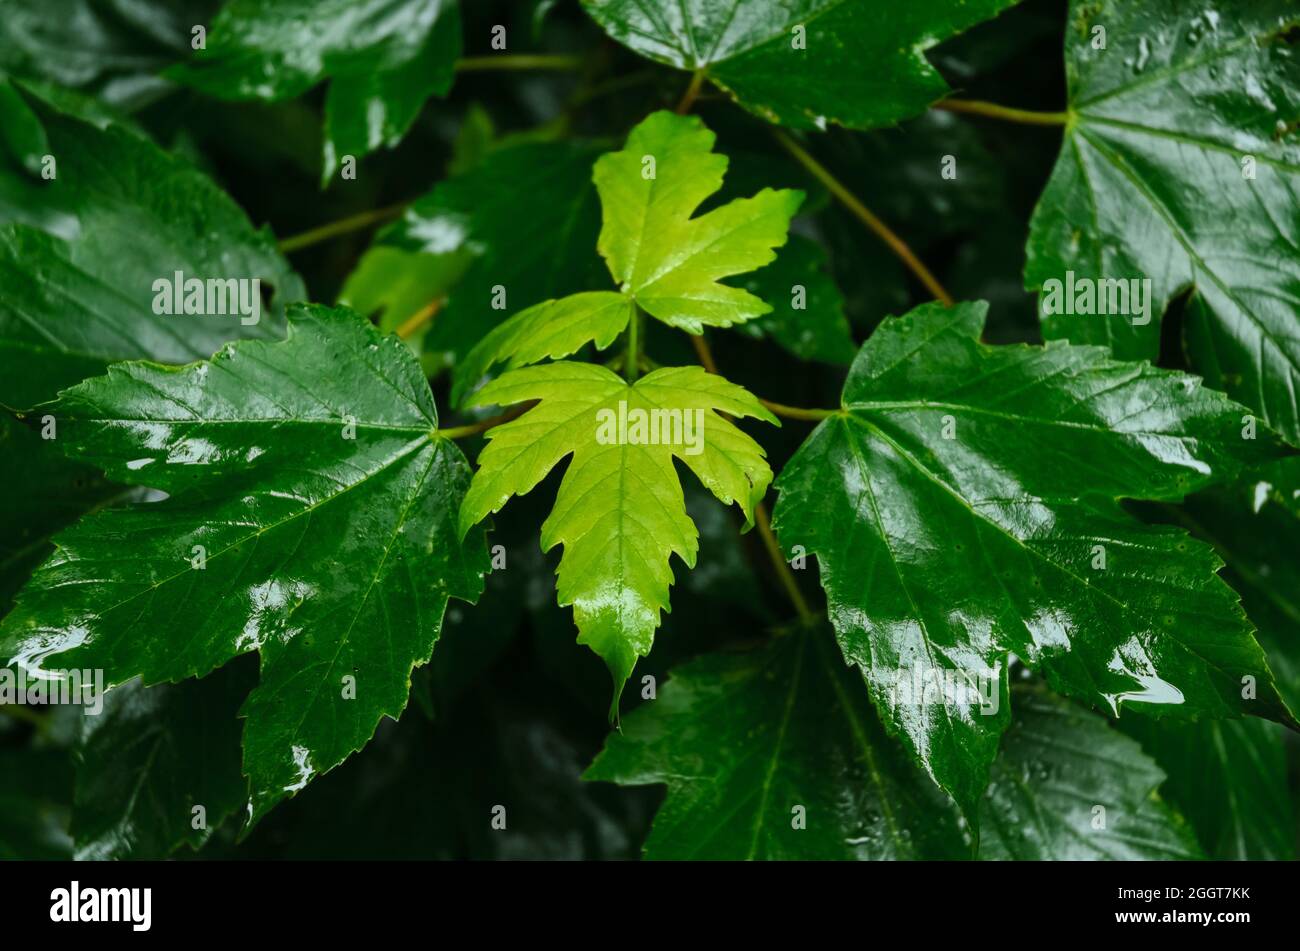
{"type": "Point", "coordinates": [620, 513]}
{"type": "Point", "coordinates": [663, 260]}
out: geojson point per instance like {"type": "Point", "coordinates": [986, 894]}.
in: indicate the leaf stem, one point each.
{"type": "Point", "coordinates": [779, 563]}
{"type": "Point", "coordinates": [692, 93]}
{"type": "Point", "coordinates": [761, 519]}
{"type": "Point", "coordinates": [420, 319]}
{"type": "Point", "coordinates": [483, 425]}
{"type": "Point", "coordinates": [865, 215]}
{"type": "Point", "coordinates": [632, 360]}
{"type": "Point", "coordinates": [705, 355]}
{"type": "Point", "coordinates": [992, 110]}
{"type": "Point", "coordinates": [343, 226]}
{"type": "Point", "coordinates": [797, 412]}
{"type": "Point", "coordinates": [517, 61]}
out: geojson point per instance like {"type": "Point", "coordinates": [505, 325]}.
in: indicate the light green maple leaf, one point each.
{"type": "Point", "coordinates": [664, 261]}
{"type": "Point", "coordinates": [619, 514]}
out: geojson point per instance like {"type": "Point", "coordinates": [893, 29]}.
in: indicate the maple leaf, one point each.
{"type": "Point", "coordinates": [311, 518]}
{"type": "Point", "coordinates": [962, 505]}
{"type": "Point", "coordinates": [663, 261]}
{"type": "Point", "coordinates": [619, 513]}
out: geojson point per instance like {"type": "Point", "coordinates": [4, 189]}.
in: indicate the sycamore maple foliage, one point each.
{"type": "Point", "coordinates": [270, 540]}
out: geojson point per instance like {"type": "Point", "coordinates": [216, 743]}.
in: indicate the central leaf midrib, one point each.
{"type": "Point", "coordinates": [397, 528]}
{"type": "Point", "coordinates": [766, 789]}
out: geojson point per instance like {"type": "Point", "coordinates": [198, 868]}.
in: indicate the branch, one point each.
{"type": "Point", "coordinates": [779, 563]}
{"type": "Point", "coordinates": [343, 226]}
{"type": "Point", "coordinates": [864, 214]}
{"type": "Point", "coordinates": [797, 412]}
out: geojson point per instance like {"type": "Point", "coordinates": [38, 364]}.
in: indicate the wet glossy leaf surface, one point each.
{"type": "Point", "coordinates": [159, 766]}
{"type": "Point", "coordinates": [962, 506]}
{"type": "Point", "coordinates": [383, 58]}
{"type": "Point", "coordinates": [1068, 787]}
{"type": "Point", "coordinates": [777, 754]}
{"type": "Point", "coordinates": [44, 492]}
{"type": "Point", "coordinates": [805, 63]}
{"type": "Point", "coordinates": [620, 513]}
{"type": "Point", "coordinates": [314, 524]}
{"type": "Point", "coordinates": [80, 255]}
{"type": "Point", "coordinates": [1181, 166]}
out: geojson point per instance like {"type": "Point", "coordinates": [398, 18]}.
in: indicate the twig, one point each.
{"type": "Point", "coordinates": [865, 215]}
{"type": "Point", "coordinates": [343, 226]}
{"type": "Point", "coordinates": [779, 563]}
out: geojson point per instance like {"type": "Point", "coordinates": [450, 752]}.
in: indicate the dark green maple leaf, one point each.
{"type": "Point", "coordinates": [383, 58]}
{"type": "Point", "coordinates": [312, 519]}
{"type": "Point", "coordinates": [44, 492]}
{"type": "Point", "coordinates": [158, 767]}
{"type": "Point", "coordinates": [962, 505]}
{"type": "Point", "coordinates": [803, 63]}
{"type": "Point", "coordinates": [1254, 525]}
{"type": "Point", "coordinates": [1181, 166]}
{"type": "Point", "coordinates": [1066, 786]}
{"type": "Point", "coordinates": [1228, 777]}
{"type": "Point", "coordinates": [776, 753]}
{"type": "Point", "coordinates": [113, 49]}
{"type": "Point", "coordinates": [80, 254]}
